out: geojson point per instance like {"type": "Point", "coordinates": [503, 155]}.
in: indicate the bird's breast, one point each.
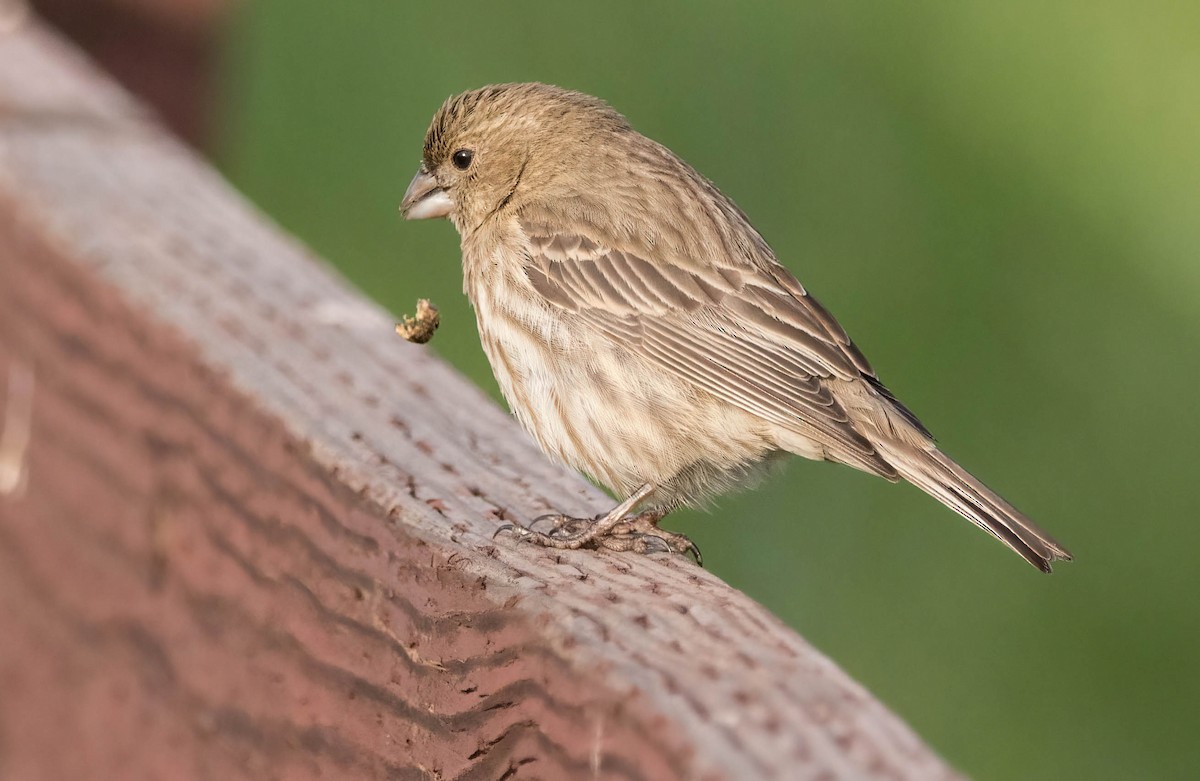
{"type": "Point", "coordinates": [535, 357]}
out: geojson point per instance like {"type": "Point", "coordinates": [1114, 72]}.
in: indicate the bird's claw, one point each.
{"type": "Point", "coordinates": [515, 529]}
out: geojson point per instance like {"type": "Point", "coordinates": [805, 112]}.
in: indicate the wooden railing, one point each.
{"type": "Point", "coordinates": [246, 531]}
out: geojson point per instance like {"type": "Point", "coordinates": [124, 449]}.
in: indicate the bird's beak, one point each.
{"type": "Point", "coordinates": [424, 200]}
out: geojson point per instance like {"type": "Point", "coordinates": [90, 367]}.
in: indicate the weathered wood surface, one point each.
{"type": "Point", "coordinates": [246, 531]}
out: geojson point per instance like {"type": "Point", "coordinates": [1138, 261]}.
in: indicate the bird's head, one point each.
{"type": "Point", "coordinates": [491, 148]}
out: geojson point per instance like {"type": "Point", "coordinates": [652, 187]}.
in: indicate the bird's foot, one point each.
{"type": "Point", "coordinates": [636, 533]}
{"type": "Point", "coordinates": [641, 534]}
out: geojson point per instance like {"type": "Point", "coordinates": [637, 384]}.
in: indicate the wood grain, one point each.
{"type": "Point", "coordinates": [253, 533]}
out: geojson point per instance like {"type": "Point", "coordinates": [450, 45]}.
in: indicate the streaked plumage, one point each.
{"type": "Point", "coordinates": [642, 330]}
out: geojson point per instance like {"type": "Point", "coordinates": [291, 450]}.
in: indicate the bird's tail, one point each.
{"type": "Point", "coordinates": [938, 475]}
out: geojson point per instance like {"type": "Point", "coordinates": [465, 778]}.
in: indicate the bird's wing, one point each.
{"type": "Point", "coordinates": [751, 337]}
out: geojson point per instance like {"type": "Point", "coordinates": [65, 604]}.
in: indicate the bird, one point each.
{"type": "Point", "coordinates": [643, 331]}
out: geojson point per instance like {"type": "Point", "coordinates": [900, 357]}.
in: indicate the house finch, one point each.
{"type": "Point", "coordinates": [642, 330]}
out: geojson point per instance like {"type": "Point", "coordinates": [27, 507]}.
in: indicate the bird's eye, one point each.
{"type": "Point", "coordinates": [462, 159]}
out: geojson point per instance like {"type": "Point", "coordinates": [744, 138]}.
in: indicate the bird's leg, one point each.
{"type": "Point", "coordinates": [617, 530]}
{"type": "Point", "coordinates": [581, 531]}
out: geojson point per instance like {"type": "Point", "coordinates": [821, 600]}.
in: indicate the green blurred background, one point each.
{"type": "Point", "coordinates": [1000, 201]}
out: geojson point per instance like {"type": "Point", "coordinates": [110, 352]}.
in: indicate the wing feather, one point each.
{"type": "Point", "coordinates": [756, 341]}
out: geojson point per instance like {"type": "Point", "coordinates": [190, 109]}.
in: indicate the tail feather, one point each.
{"type": "Point", "coordinates": [939, 476]}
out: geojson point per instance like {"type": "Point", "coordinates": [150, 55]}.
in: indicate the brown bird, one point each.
{"type": "Point", "coordinates": [642, 330]}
